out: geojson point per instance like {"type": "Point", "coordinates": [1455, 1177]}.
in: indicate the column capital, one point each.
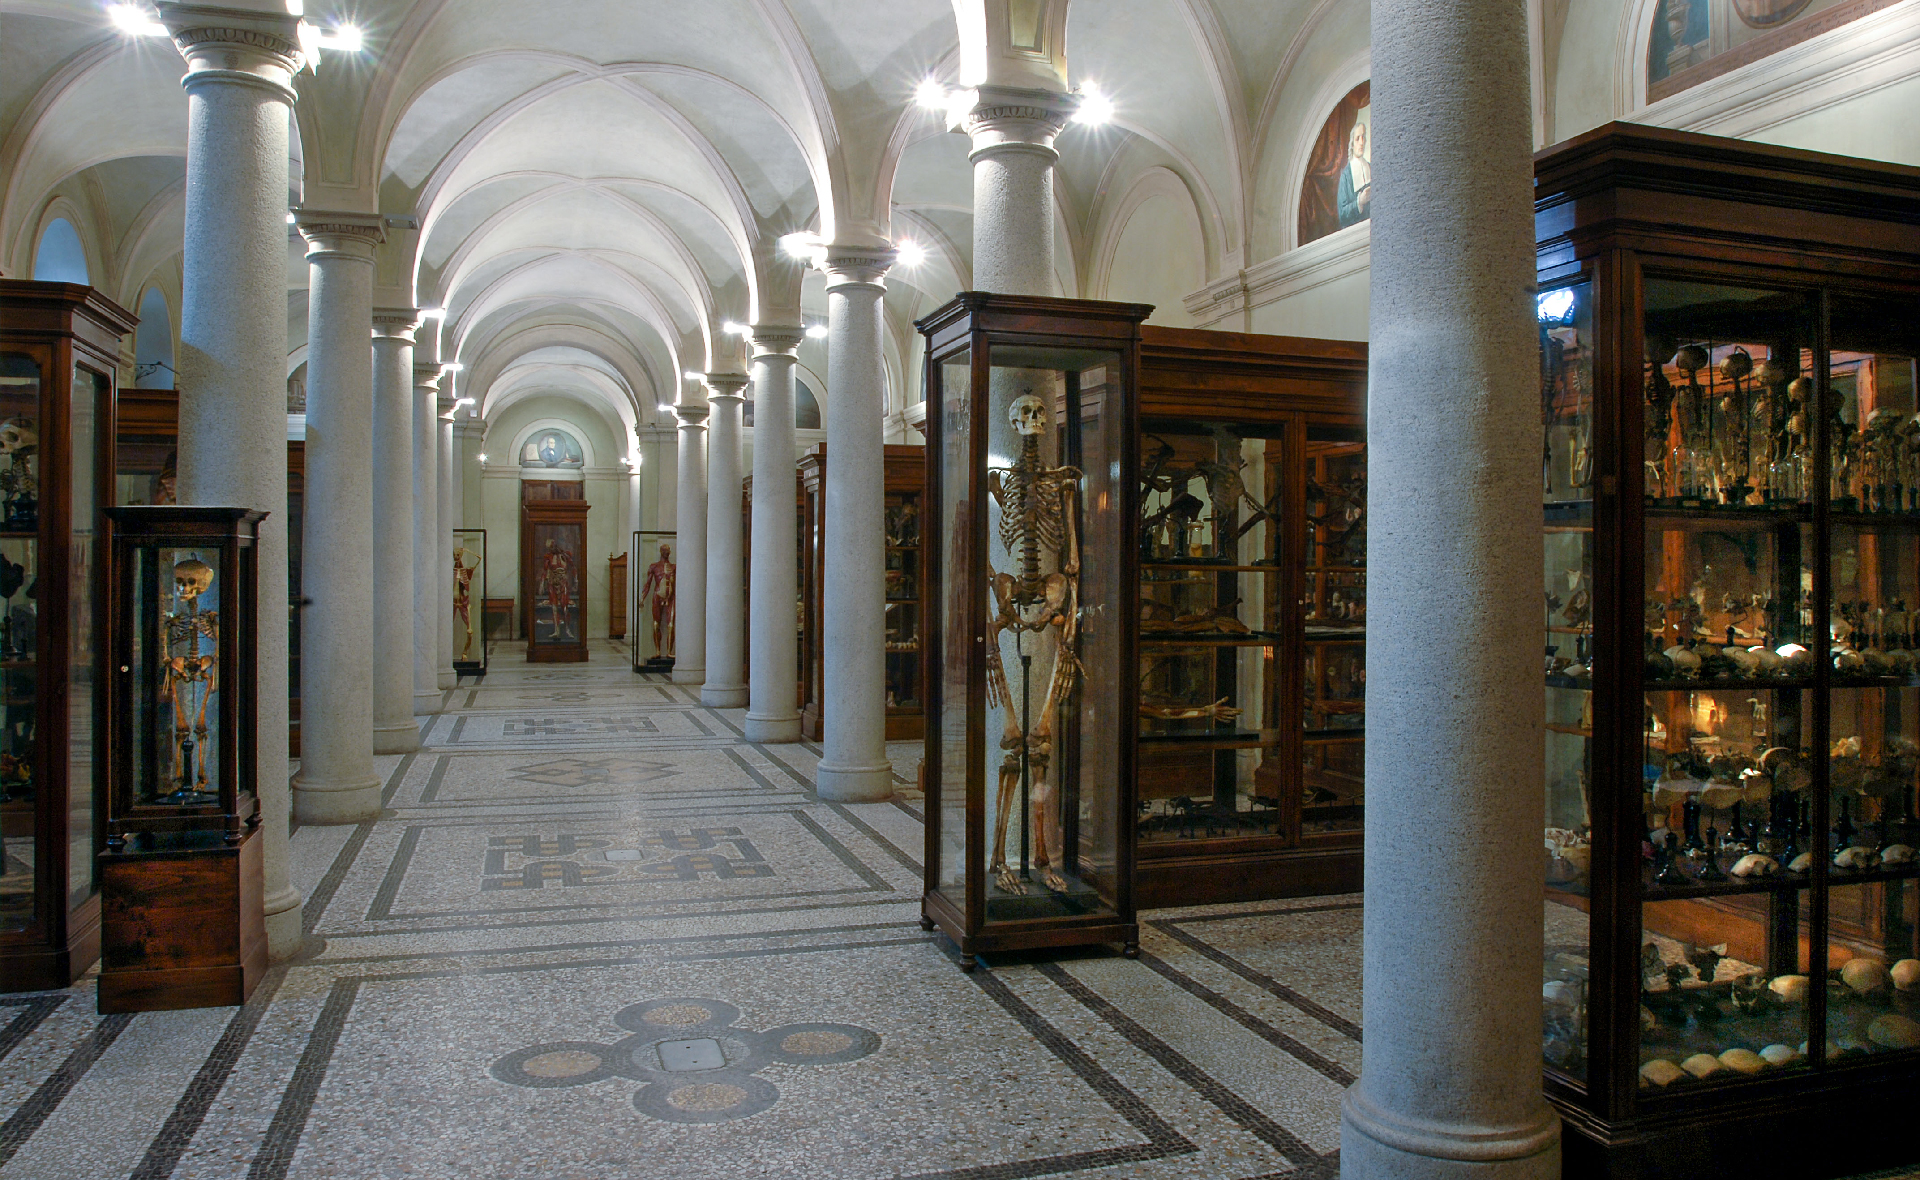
{"type": "Point", "coordinates": [727, 386]}
{"type": "Point", "coordinates": [334, 235]}
{"type": "Point", "coordinates": [246, 47]}
{"type": "Point", "coordinates": [445, 404]}
{"type": "Point", "coordinates": [395, 323]}
{"type": "Point", "coordinates": [426, 376]}
{"type": "Point", "coordinates": [776, 341]}
{"type": "Point", "coordinates": [692, 415]}
{"type": "Point", "coordinates": [858, 265]}
{"type": "Point", "coordinates": [1009, 119]}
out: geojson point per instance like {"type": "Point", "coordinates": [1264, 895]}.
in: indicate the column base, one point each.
{"type": "Point", "coordinates": [396, 739]}
{"type": "Point", "coordinates": [1379, 1145]}
{"type": "Point", "coordinates": [426, 703]}
{"type": "Point", "coordinates": [724, 696]}
{"type": "Point", "coordinates": [447, 678]}
{"type": "Point", "coordinates": [335, 802]}
{"type": "Point", "coordinates": [285, 933]}
{"type": "Point", "coordinates": [773, 730]}
{"type": "Point", "coordinates": [855, 784]}
{"type": "Point", "coordinates": [683, 675]}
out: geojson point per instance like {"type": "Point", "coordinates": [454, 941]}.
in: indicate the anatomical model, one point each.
{"type": "Point", "coordinates": [192, 675]}
{"type": "Point", "coordinates": [1039, 506]}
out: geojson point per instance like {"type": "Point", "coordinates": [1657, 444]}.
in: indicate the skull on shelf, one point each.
{"type": "Point", "coordinates": [17, 437]}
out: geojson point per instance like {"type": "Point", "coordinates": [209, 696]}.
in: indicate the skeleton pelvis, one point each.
{"type": "Point", "coordinates": [1029, 604]}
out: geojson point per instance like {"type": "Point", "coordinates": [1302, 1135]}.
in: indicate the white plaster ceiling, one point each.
{"type": "Point", "coordinates": [611, 175]}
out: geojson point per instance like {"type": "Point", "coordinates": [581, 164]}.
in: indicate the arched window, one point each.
{"type": "Point", "coordinates": [153, 343]}
{"type": "Point", "coordinates": [1694, 40]}
{"type": "Point", "coordinates": [60, 258]}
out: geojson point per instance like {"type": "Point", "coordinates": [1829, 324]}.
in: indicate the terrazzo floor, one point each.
{"type": "Point", "coordinates": [597, 933]}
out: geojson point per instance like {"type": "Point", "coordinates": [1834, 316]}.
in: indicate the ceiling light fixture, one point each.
{"type": "Point", "coordinates": [909, 252]}
{"type": "Point", "coordinates": [136, 21]}
{"type": "Point", "coordinates": [1095, 107]}
{"type": "Point", "coordinates": [930, 95]}
{"type": "Point", "coordinates": [817, 332]}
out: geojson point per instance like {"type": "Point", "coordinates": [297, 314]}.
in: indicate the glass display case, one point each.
{"type": "Point", "coordinates": [180, 877]}
{"type": "Point", "coordinates": [652, 591]}
{"type": "Point", "coordinates": [1252, 559]}
{"type": "Point", "coordinates": [59, 345]}
{"type": "Point", "coordinates": [905, 477]}
{"type": "Point", "coordinates": [1028, 576]}
{"type": "Point", "coordinates": [553, 544]}
{"type": "Point", "coordinates": [470, 643]}
{"type": "Point", "coordinates": [1731, 549]}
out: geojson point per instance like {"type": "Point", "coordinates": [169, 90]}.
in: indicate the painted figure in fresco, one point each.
{"type": "Point", "coordinates": [556, 582]}
{"type": "Point", "coordinates": [465, 562]}
{"type": "Point", "coordinates": [657, 592]}
{"type": "Point", "coordinates": [1356, 179]}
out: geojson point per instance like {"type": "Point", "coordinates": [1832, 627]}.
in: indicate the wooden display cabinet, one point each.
{"type": "Point", "coordinates": [553, 590]}
{"type": "Point", "coordinates": [59, 345]}
{"type": "Point", "coordinates": [906, 468]}
{"type": "Point", "coordinates": [1252, 593]}
{"type": "Point", "coordinates": [1029, 590]}
{"type": "Point", "coordinates": [1731, 584]}
{"type": "Point", "coordinates": [181, 874]}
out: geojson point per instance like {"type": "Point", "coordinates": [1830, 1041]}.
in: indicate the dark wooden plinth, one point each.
{"type": "Point", "coordinates": [1167, 878]}
{"type": "Point", "coordinates": [182, 924]}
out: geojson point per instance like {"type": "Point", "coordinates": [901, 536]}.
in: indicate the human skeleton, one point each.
{"type": "Point", "coordinates": [193, 674]}
{"type": "Point", "coordinates": [1038, 512]}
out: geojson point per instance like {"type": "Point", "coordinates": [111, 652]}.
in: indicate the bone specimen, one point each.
{"type": "Point", "coordinates": [1039, 506]}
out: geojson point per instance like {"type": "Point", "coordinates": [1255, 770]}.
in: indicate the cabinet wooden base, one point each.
{"type": "Point", "coordinates": [182, 922]}
{"type": "Point", "coordinates": [1208, 877]}
{"type": "Point", "coordinates": [553, 653]}
{"type": "Point", "coordinates": [43, 968]}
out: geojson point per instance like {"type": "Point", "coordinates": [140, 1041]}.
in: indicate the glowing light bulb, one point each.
{"type": "Point", "coordinates": [136, 21]}
{"type": "Point", "coordinates": [1095, 107]}
{"type": "Point", "coordinates": [930, 95]}
{"type": "Point", "coordinates": [910, 253]}
{"type": "Point", "coordinates": [817, 332]}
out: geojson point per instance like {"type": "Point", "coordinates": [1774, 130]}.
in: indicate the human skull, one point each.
{"type": "Point", "coordinates": [191, 578]}
{"type": "Point", "coordinates": [17, 437]}
{"type": "Point", "coordinates": [1028, 414]}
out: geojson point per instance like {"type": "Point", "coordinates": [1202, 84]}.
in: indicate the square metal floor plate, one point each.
{"type": "Point", "coordinates": [691, 1056]}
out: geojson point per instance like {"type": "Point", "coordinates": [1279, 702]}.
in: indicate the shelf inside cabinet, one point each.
{"type": "Point", "coordinates": [1891, 521]}
{"type": "Point", "coordinates": [1214, 567]}
{"type": "Point", "coordinates": [1326, 633]}
{"type": "Point", "coordinates": [1163, 640]}
{"type": "Point", "coordinates": [1702, 684]}
{"type": "Point", "coordinates": [1215, 739]}
{"type": "Point", "coordinates": [1726, 515]}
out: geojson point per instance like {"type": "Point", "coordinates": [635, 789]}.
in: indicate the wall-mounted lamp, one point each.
{"type": "Point", "coordinates": [909, 252]}
{"type": "Point", "coordinates": [433, 313]}
{"type": "Point", "coordinates": [452, 367]}
{"type": "Point", "coordinates": [1095, 107]}
{"type": "Point", "coordinates": [482, 458]}
{"type": "Point", "coordinates": [692, 375]}
{"type": "Point", "coordinates": [817, 332]}
{"type": "Point", "coordinates": [462, 401]}
{"type": "Point", "coordinates": [663, 408]}
{"type": "Point", "coordinates": [136, 21]}
{"type": "Point", "coordinates": [734, 329]}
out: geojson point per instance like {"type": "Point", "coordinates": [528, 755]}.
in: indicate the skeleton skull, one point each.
{"type": "Point", "coordinates": [1028, 414]}
{"type": "Point", "coordinates": [17, 437]}
{"type": "Point", "coordinates": [191, 578]}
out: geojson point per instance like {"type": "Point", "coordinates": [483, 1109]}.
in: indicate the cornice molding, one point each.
{"type": "Point", "coordinates": [1339, 255]}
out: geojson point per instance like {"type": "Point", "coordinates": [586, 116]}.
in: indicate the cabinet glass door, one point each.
{"type": "Point", "coordinates": [21, 381]}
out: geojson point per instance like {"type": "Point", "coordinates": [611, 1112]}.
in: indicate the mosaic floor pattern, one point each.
{"type": "Point", "coordinates": [599, 934]}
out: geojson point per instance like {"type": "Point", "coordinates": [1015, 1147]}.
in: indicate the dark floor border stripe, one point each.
{"type": "Point", "coordinates": [51, 1093]}
{"type": "Point", "coordinates": [1259, 979]}
{"type": "Point", "coordinates": [752, 772]}
{"type": "Point", "coordinates": [296, 1104]}
{"type": "Point", "coordinates": [431, 791]}
{"type": "Point", "coordinates": [554, 948]}
{"type": "Point", "coordinates": [1162, 1140]}
{"type": "Point", "coordinates": [453, 735]}
{"type": "Point", "coordinates": [909, 808]}
{"type": "Point", "coordinates": [806, 784]}
{"type": "Point", "coordinates": [33, 1010]}
{"type": "Point", "coordinates": [841, 851]}
{"type": "Point", "coordinates": [488, 927]}
{"type": "Point", "coordinates": [176, 1134]}
{"type": "Point", "coordinates": [889, 847]}
{"type": "Point", "coordinates": [381, 906]}
{"type": "Point", "coordinates": [769, 952]}
{"type": "Point", "coordinates": [1255, 1120]}
{"type": "Point", "coordinates": [1326, 1067]}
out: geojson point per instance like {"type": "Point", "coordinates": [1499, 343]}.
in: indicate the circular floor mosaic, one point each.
{"type": "Point", "coordinates": [697, 1064]}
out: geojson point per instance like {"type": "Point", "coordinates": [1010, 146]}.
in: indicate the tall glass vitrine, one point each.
{"type": "Point", "coordinates": [1027, 569]}
{"type": "Point", "coordinates": [59, 345]}
{"type": "Point", "coordinates": [1731, 551]}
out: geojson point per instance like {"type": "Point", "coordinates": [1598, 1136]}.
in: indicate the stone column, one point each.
{"type": "Point", "coordinates": [336, 783]}
{"type": "Point", "coordinates": [233, 350]}
{"type": "Point", "coordinates": [773, 714]}
{"type": "Point", "coordinates": [1450, 1073]}
{"type": "Point", "coordinates": [1013, 157]}
{"type": "Point", "coordinates": [725, 686]}
{"type": "Point", "coordinates": [690, 545]}
{"type": "Point", "coordinates": [446, 478]}
{"type": "Point", "coordinates": [426, 532]}
{"type": "Point", "coordinates": [394, 729]}
{"type": "Point", "coordinates": [853, 755]}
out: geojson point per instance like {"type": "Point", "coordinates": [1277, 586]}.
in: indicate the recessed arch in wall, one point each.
{"type": "Point", "coordinates": [59, 257]}
{"type": "Point", "coordinates": [532, 432]}
{"type": "Point", "coordinates": [153, 343]}
{"type": "Point", "coordinates": [1679, 44]}
{"type": "Point", "coordinates": [1334, 89]}
{"type": "Point", "coordinates": [1336, 187]}
{"type": "Point", "coordinates": [1152, 249]}
{"type": "Point", "coordinates": [551, 447]}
